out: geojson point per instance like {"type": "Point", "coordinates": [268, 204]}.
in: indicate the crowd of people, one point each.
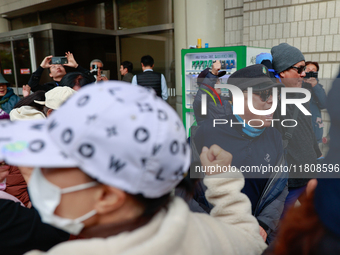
{"type": "Point", "coordinates": [93, 166]}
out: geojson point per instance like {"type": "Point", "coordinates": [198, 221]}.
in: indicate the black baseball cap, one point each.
{"type": "Point", "coordinates": [256, 76]}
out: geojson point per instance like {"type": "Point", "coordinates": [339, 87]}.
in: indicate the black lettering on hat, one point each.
{"type": "Point", "coordinates": [113, 90]}
{"type": "Point", "coordinates": [111, 131]}
{"type": "Point", "coordinates": [142, 135]}
{"type": "Point", "coordinates": [67, 136]}
{"type": "Point", "coordinates": [143, 161]}
{"type": "Point", "coordinates": [162, 115]}
{"type": "Point", "coordinates": [158, 175]}
{"type": "Point", "coordinates": [36, 145]}
{"type": "Point", "coordinates": [91, 118]}
{"type": "Point", "coordinates": [37, 126]}
{"type": "Point", "coordinates": [156, 149]}
{"type": "Point", "coordinates": [185, 148]}
{"type": "Point", "coordinates": [174, 147]}
{"type": "Point", "coordinates": [83, 100]}
{"type": "Point", "coordinates": [63, 154]}
{"type": "Point", "coordinates": [86, 150]}
{"type": "Point", "coordinates": [115, 164]}
{"type": "Point", "coordinates": [145, 107]}
{"type": "Point", "coordinates": [52, 125]}
{"type": "Point", "coordinates": [179, 173]}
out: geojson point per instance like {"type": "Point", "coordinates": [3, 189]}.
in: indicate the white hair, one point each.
{"type": "Point", "coordinates": [96, 60]}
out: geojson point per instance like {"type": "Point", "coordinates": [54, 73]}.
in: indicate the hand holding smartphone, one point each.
{"type": "Point", "coordinates": [59, 60]}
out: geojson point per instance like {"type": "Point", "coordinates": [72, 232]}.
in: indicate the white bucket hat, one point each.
{"type": "Point", "coordinates": [55, 97]}
{"type": "Point", "coordinates": [121, 135]}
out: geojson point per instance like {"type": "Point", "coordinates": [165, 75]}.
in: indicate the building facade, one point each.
{"type": "Point", "coordinates": [110, 30]}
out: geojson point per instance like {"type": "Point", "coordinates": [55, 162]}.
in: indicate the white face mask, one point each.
{"type": "Point", "coordinates": [46, 197]}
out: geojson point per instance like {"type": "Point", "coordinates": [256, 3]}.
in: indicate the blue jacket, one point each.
{"type": "Point", "coordinates": [317, 103]}
{"type": "Point", "coordinates": [13, 100]}
{"type": "Point", "coordinates": [268, 193]}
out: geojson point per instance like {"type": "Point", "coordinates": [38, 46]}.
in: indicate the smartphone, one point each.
{"type": "Point", "coordinates": [59, 60]}
{"type": "Point", "coordinates": [311, 75]}
{"type": "Point", "coordinates": [223, 64]}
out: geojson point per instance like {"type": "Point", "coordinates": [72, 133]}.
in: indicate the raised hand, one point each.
{"type": "Point", "coordinates": [100, 78]}
{"type": "Point", "coordinates": [215, 155]}
{"type": "Point", "coordinates": [26, 90]}
{"type": "Point", "coordinates": [70, 59]}
{"type": "Point", "coordinates": [46, 62]}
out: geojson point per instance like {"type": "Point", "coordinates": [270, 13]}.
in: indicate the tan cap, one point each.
{"type": "Point", "coordinates": [56, 97]}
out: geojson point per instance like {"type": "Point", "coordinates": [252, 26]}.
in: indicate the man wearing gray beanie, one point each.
{"type": "Point", "coordinates": [289, 63]}
{"type": "Point", "coordinates": [300, 142]}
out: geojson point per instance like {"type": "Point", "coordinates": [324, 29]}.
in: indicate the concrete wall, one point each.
{"type": "Point", "coordinates": [313, 26]}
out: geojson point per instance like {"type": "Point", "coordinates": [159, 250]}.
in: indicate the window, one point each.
{"type": "Point", "coordinates": [86, 14]}
{"type": "Point", "coordinates": [141, 13]}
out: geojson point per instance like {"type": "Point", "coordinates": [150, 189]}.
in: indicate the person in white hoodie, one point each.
{"type": "Point", "coordinates": [40, 105]}
{"type": "Point", "coordinates": [27, 109]}
{"type": "Point", "coordinates": [105, 166]}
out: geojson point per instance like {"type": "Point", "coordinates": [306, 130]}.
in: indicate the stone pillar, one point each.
{"type": "Point", "coordinates": [196, 19]}
{"type": "Point", "coordinates": [3, 25]}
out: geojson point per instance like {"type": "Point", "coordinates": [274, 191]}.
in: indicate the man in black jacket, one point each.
{"type": "Point", "coordinates": [149, 78]}
{"type": "Point", "coordinates": [57, 72]}
{"type": "Point", "coordinates": [300, 142]}
{"type": "Point", "coordinates": [251, 147]}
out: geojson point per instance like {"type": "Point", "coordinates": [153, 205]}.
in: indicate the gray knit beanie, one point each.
{"type": "Point", "coordinates": [285, 56]}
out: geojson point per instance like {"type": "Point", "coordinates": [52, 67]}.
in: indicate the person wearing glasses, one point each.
{"type": "Point", "coordinates": [254, 143]}
{"type": "Point", "coordinates": [56, 72]}
{"type": "Point", "coordinates": [319, 98]}
{"type": "Point", "coordinates": [299, 141]}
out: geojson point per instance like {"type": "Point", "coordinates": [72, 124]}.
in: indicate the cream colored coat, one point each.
{"type": "Point", "coordinates": [231, 229]}
{"type": "Point", "coordinates": [26, 113]}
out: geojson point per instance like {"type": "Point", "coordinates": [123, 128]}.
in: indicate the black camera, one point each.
{"type": "Point", "coordinates": [59, 60]}
{"type": "Point", "coordinates": [311, 75]}
{"type": "Point", "coordinates": [94, 69]}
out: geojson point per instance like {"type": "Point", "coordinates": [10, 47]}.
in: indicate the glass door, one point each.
{"type": "Point", "coordinates": [22, 62]}
{"type": "Point", "coordinates": [16, 70]}
{"type": "Point", "coordinates": [6, 63]}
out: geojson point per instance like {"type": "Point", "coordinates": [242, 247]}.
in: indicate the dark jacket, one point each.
{"type": "Point", "coordinates": [267, 193]}
{"type": "Point", "coordinates": [151, 79]}
{"type": "Point", "coordinates": [13, 99]}
{"type": "Point", "coordinates": [35, 79]}
{"type": "Point", "coordinates": [302, 147]}
{"type": "Point", "coordinates": [127, 77]}
{"type": "Point", "coordinates": [214, 110]}
{"type": "Point", "coordinates": [21, 230]}
{"type": "Point", "coordinates": [329, 242]}
{"type": "Point", "coordinates": [333, 108]}
{"type": "Point", "coordinates": [317, 103]}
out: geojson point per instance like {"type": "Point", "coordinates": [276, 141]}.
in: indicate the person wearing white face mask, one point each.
{"type": "Point", "coordinates": [105, 165]}
{"type": "Point", "coordinates": [47, 197]}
